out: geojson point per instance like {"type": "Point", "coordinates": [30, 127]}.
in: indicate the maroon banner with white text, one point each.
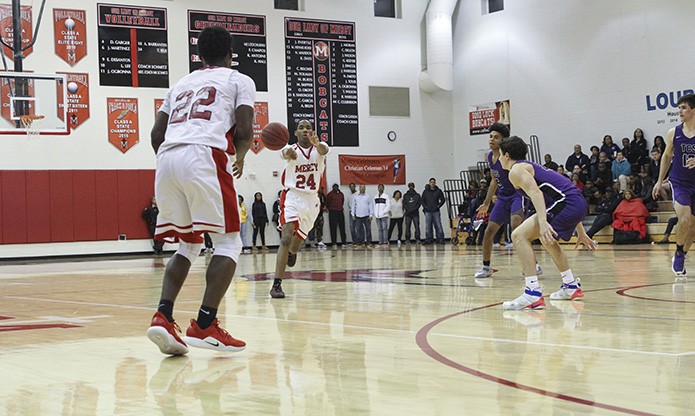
{"type": "Point", "coordinates": [372, 170]}
{"type": "Point", "coordinates": [482, 116]}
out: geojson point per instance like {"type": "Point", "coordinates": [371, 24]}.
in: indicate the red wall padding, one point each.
{"type": "Point", "coordinates": [73, 205]}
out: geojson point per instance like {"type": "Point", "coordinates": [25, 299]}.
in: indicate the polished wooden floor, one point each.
{"type": "Point", "coordinates": [388, 331]}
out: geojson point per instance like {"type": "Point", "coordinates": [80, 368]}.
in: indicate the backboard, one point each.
{"type": "Point", "coordinates": [24, 93]}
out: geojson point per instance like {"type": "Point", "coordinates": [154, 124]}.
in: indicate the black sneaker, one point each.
{"type": "Point", "coordinates": [291, 260]}
{"type": "Point", "coordinates": [276, 291]}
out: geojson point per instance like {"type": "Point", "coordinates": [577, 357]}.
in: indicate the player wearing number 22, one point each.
{"type": "Point", "coordinates": [299, 201]}
{"type": "Point", "coordinates": [201, 136]}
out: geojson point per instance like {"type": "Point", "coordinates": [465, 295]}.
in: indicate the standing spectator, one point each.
{"type": "Point", "coordinates": [335, 200]}
{"type": "Point", "coordinates": [621, 171]}
{"type": "Point", "coordinates": [276, 214]}
{"type": "Point", "coordinates": [382, 206]}
{"type": "Point", "coordinates": [609, 147]}
{"type": "Point", "coordinates": [577, 158]}
{"type": "Point", "coordinates": [362, 213]}
{"type": "Point", "coordinates": [243, 213]}
{"type": "Point", "coordinates": [396, 214]}
{"type": "Point", "coordinates": [411, 206]}
{"type": "Point", "coordinates": [682, 178]}
{"type": "Point", "coordinates": [149, 214]}
{"type": "Point", "coordinates": [259, 213]}
{"type": "Point", "coordinates": [432, 200]}
{"type": "Point", "coordinates": [350, 198]}
{"type": "Point", "coordinates": [638, 155]}
{"type": "Point", "coordinates": [549, 164]}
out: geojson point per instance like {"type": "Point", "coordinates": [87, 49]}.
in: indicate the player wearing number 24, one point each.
{"type": "Point", "coordinates": [299, 202]}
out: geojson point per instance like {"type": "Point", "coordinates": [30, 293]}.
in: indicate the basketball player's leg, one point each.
{"type": "Point", "coordinates": [518, 212]}
{"type": "Point", "coordinates": [522, 236]}
{"type": "Point", "coordinates": [499, 216]}
{"type": "Point", "coordinates": [682, 202]}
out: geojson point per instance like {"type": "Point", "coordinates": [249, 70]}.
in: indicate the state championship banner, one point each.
{"type": "Point", "coordinates": [70, 34]}
{"type": "Point", "coordinates": [8, 31]}
{"type": "Point", "coordinates": [260, 120]}
{"type": "Point", "coordinates": [372, 170]}
{"type": "Point", "coordinates": [482, 116]}
{"type": "Point", "coordinates": [123, 122]}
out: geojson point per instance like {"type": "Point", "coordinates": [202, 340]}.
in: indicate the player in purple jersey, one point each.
{"type": "Point", "coordinates": [680, 149]}
{"type": "Point", "coordinates": [509, 207]}
{"type": "Point", "coordinates": [558, 219]}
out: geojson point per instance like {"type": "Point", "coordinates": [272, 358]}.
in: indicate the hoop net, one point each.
{"type": "Point", "coordinates": [32, 124]}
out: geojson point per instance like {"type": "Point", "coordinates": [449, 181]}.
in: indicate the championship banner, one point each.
{"type": "Point", "coordinates": [372, 170]}
{"type": "Point", "coordinates": [158, 102]}
{"type": "Point", "coordinates": [78, 98]}
{"type": "Point", "coordinates": [8, 32]}
{"type": "Point", "coordinates": [69, 27]}
{"type": "Point", "coordinates": [123, 122]}
{"type": "Point", "coordinates": [260, 120]}
{"type": "Point", "coordinates": [482, 116]}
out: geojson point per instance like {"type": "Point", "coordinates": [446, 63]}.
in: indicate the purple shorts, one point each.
{"type": "Point", "coordinates": [565, 216]}
{"type": "Point", "coordinates": [684, 194]}
{"type": "Point", "coordinates": [505, 207]}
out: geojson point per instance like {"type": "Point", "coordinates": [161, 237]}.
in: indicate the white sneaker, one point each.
{"type": "Point", "coordinates": [568, 292]}
{"type": "Point", "coordinates": [321, 245]}
{"type": "Point", "coordinates": [486, 271]}
{"type": "Point", "coordinates": [530, 299]}
{"type": "Point", "coordinates": [509, 245]}
{"type": "Point", "coordinates": [539, 271]}
{"type": "Point", "coordinates": [495, 244]}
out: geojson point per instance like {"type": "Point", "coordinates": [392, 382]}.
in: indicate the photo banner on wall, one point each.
{"type": "Point", "coordinates": [321, 71]}
{"type": "Point", "coordinates": [133, 48]}
{"type": "Point", "coordinates": [482, 116]}
{"type": "Point", "coordinates": [372, 170]}
{"type": "Point", "coordinates": [8, 31]}
{"type": "Point", "coordinates": [249, 42]}
{"type": "Point", "coordinates": [123, 122]}
{"type": "Point", "coordinates": [69, 27]}
{"type": "Point", "coordinates": [78, 98]}
{"type": "Point", "coordinates": [158, 103]}
{"type": "Point", "coordinates": [260, 120]}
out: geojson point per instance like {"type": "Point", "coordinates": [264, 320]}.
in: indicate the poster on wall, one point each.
{"type": "Point", "coordinates": [260, 120]}
{"type": "Point", "coordinates": [372, 170]}
{"type": "Point", "coordinates": [123, 122]}
{"type": "Point", "coordinates": [78, 98]}
{"type": "Point", "coordinates": [249, 42]}
{"type": "Point", "coordinates": [482, 116]}
{"type": "Point", "coordinates": [158, 102]}
{"type": "Point", "coordinates": [69, 28]}
{"type": "Point", "coordinates": [8, 31]}
{"type": "Point", "coordinates": [133, 48]}
{"type": "Point", "coordinates": [321, 70]}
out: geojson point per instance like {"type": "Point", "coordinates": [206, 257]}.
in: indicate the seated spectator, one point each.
{"type": "Point", "coordinates": [635, 185]}
{"type": "Point", "coordinates": [603, 178]}
{"type": "Point", "coordinates": [549, 164]}
{"type": "Point", "coordinates": [653, 175]}
{"type": "Point", "coordinates": [591, 193]}
{"type": "Point", "coordinates": [631, 215]}
{"type": "Point", "coordinates": [625, 149]}
{"type": "Point", "coordinates": [578, 171]}
{"type": "Point", "coordinates": [608, 147]}
{"type": "Point", "coordinates": [575, 180]}
{"type": "Point", "coordinates": [593, 160]}
{"type": "Point", "coordinates": [603, 158]}
{"type": "Point", "coordinates": [659, 144]}
{"type": "Point", "coordinates": [621, 171]}
{"type": "Point", "coordinates": [478, 198]}
{"type": "Point", "coordinates": [487, 175]}
{"type": "Point", "coordinates": [609, 202]}
{"type": "Point", "coordinates": [577, 158]}
{"type": "Point", "coordinates": [639, 155]}
{"type": "Point", "coordinates": [561, 171]}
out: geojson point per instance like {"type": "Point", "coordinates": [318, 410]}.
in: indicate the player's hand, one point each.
{"type": "Point", "coordinates": [370, 219]}
{"type": "Point", "coordinates": [655, 191]}
{"type": "Point", "coordinates": [238, 168]}
{"type": "Point", "coordinates": [483, 208]}
{"type": "Point", "coordinates": [690, 164]}
{"type": "Point", "coordinates": [587, 241]}
{"type": "Point", "coordinates": [289, 154]}
{"type": "Point", "coordinates": [548, 234]}
{"type": "Point", "coordinates": [314, 139]}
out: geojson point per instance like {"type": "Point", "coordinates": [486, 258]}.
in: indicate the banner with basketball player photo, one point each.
{"type": "Point", "coordinates": [372, 170]}
{"type": "Point", "coordinates": [158, 103]}
{"type": "Point", "coordinates": [260, 120]}
{"type": "Point", "coordinates": [482, 116]}
{"type": "Point", "coordinates": [69, 27]}
{"type": "Point", "coordinates": [123, 122]}
{"type": "Point", "coordinates": [78, 98]}
{"type": "Point", "coordinates": [7, 30]}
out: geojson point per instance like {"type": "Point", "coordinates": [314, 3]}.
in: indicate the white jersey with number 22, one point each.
{"type": "Point", "coordinates": [304, 173]}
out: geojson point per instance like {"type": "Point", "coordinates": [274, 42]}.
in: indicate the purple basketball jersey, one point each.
{"type": "Point", "coordinates": [683, 149]}
{"type": "Point", "coordinates": [504, 187]}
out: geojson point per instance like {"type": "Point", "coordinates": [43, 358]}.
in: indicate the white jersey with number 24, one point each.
{"type": "Point", "coordinates": [304, 173]}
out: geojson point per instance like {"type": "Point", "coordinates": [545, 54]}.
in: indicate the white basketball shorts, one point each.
{"type": "Point", "coordinates": [299, 208]}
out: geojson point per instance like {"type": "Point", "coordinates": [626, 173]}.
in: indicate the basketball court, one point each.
{"type": "Point", "coordinates": [399, 330]}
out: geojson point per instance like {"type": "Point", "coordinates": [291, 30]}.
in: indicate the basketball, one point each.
{"type": "Point", "coordinates": [275, 136]}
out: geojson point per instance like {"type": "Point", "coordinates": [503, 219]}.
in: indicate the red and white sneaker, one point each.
{"type": "Point", "coordinates": [571, 291]}
{"type": "Point", "coordinates": [212, 338]}
{"type": "Point", "coordinates": [164, 334]}
{"type": "Point", "coordinates": [530, 299]}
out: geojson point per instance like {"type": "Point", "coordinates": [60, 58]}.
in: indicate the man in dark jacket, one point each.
{"type": "Point", "coordinates": [411, 206]}
{"type": "Point", "coordinates": [433, 199]}
{"type": "Point", "coordinates": [335, 201]}
{"type": "Point", "coordinates": [604, 209]}
{"type": "Point", "coordinates": [578, 158]}
{"type": "Point", "coordinates": [149, 214]}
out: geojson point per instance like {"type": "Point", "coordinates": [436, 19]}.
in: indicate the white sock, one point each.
{"type": "Point", "coordinates": [532, 282]}
{"type": "Point", "coordinates": [567, 276]}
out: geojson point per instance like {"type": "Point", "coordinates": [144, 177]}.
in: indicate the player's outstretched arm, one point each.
{"type": "Point", "coordinates": [158, 130]}
{"type": "Point", "coordinates": [492, 189]}
{"type": "Point", "coordinates": [321, 147]}
{"type": "Point", "coordinates": [243, 136]}
{"type": "Point", "coordinates": [583, 238]}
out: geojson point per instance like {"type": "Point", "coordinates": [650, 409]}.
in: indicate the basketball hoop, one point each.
{"type": "Point", "coordinates": [32, 124]}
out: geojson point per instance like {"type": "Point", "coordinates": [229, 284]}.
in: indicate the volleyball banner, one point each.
{"type": "Point", "coordinates": [123, 122]}
{"type": "Point", "coordinates": [69, 27]}
{"type": "Point", "coordinates": [372, 170]}
{"type": "Point", "coordinates": [260, 120]}
{"type": "Point", "coordinates": [482, 116]}
{"type": "Point", "coordinates": [8, 31]}
{"type": "Point", "coordinates": [78, 98]}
